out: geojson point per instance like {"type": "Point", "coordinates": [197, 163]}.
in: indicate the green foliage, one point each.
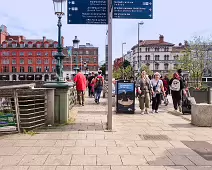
{"type": "Point", "coordinates": [126, 64]}
{"type": "Point", "coordinates": [122, 73]}
{"type": "Point", "coordinates": [193, 58]}
{"type": "Point", "coordinates": [145, 68]}
{"type": "Point", "coordinates": [103, 68]}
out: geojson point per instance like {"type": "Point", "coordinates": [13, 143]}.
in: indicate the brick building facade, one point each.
{"type": "Point", "coordinates": [26, 59]}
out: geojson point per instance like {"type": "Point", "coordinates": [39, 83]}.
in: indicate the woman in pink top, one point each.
{"type": "Point", "coordinates": [81, 83]}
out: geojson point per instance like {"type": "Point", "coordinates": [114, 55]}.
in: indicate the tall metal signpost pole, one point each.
{"type": "Point", "coordinates": [110, 111]}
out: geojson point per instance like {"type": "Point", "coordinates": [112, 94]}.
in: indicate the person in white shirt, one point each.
{"type": "Point", "coordinates": [158, 88]}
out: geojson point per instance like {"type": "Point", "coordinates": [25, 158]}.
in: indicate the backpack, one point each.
{"type": "Point", "coordinates": [175, 86]}
{"type": "Point", "coordinates": [99, 82]}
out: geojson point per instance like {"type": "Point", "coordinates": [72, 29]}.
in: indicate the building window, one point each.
{"type": "Point", "coordinates": [38, 69]}
{"type": "Point", "coordinates": [6, 61]}
{"type": "Point", "coordinates": [13, 61]}
{"type": "Point", "coordinates": [14, 69]}
{"type": "Point", "coordinates": [38, 45]}
{"type": "Point", "coordinates": [38, 53]}
{"type": "Point", "coordinates": [46, 45]}
{"type": "Point", "coordinates": [5, 69]}
{"type": "Point", "coordinates": [39, 61]}
{"type": "Point", "coordinates": [30, 45]}
{"type": "Point", "coordinates": [30, 69]}
{"type": "Point", "coordinates": [156, 66]}
{"type": "Point", "coordinates": [175, 66]}
{"type": "Point", "coordinates": [148, 65]}
{"type": "Point", "coordinates": [176, 57]}
{"type": "Point", "coordinates": [55, 45]}
{"type": "Point", "coordinates": [147, 49]}
{"type": "Point", "coordinates": [14, 45]}
{"type": "Point", "coordinates": [147, 57]}
{"type": "Point", "coordinates": [166, 66]}
{"type": "Point", "coordinates": [140, 49]}
{"type": "Point", "coordinates": [166, 57]}
{"type": "Point", "coordinates": [21, 54]}
{"type": "Point", "coordinates": [157, 49]}
{"type": "Point", "coordinates": [30, 54]}
{"type": "Point", "coordinates": [80, 52]}
{"type": "Point", "coordinates": [22, 45]}
{"type": "Point", "coordinates": [21, 61]}
{"type": "Point", "coordinates": [87, 52]}
{"type": "Point", "coordinates": [46, 61]}
{"type": "Point", "coordinates": [46, 54]}
{"type": "Point", "coordinates": [94, 60]}
{"type": "Point", "coordinates": [54, 61]}
{"type": "Point", "coordinates": [87, 60]}
{"type": "Point", "coordinates": [157, 57]}
{"type": "Point", "coordinates": [30, 61]}
{"type": "Point", "coordinates": [13, 53]}
{"type": "Point", "coordinates": [5, 45]}
{"type": "Point", "coordinates": [46, 69]}
{"type": "Point", "coordinates": [22, 69]}
{"type": "Point", "coordinates": [94, 52]}
{"type": "Point", "coordinates": [166, 49]}
{"type": "Point", "coordinates": [54, 53]}
{"type": "Point", "coordinates": [53, 69]}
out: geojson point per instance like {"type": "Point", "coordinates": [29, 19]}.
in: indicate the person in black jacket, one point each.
{"type": "Point", "coordinates": [176, 86]}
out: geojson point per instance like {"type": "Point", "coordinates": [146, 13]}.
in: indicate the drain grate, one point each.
{"type": "Point", "coordinates": [154, 137]}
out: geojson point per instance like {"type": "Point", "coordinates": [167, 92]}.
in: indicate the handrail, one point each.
{"type": "Point", "coordinates": [32, 85]}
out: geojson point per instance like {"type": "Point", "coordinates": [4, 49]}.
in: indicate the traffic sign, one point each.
{"type": "Point", "coordinates": [133, 9]}
{"type": "Point", "coordinates": [87, 12]}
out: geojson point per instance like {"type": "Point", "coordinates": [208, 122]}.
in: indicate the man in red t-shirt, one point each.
{"type": "Point", "coordinates": [81, 83]}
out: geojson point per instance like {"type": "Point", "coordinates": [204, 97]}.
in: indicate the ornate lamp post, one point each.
{"type": "Point", "coordinates": [76, 47]}
{"type": "Point", "coordinates": [85, 66]}
{"type": "Point", "coordinates": [59, 8]}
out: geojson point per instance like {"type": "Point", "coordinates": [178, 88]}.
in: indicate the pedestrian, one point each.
{"type": "Point", "coordinates": [144, 89]}
{"type": "Point", "coordinates": [176, 86]}
{"type": "Point", "coordinates": [98, 85]}
{"type": "Point", "coordinates": [166, 85]}
{"type": "Point", "coordinates": [157, 86]}
{"type": "Point", "coordinates": [81, 83]}
{"type": "Point", "coordinates": [90, 84]}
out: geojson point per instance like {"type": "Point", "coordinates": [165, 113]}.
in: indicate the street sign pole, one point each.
{"type": "Point", "coordinates": [110, 111]}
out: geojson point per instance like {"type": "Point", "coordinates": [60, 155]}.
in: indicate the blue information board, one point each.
{"type": "Point", "coordinates": [133, 9]}
{"type": "Point", "coordinates": [87, 12]}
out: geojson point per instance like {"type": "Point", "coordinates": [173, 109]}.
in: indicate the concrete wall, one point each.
{"type": "Point", "coordinates": [39, 84]}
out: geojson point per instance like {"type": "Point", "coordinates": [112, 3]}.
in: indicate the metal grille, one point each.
{"type": "Point", "coordinates": [154, 137]}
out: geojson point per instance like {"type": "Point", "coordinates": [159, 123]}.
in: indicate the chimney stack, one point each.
{"type": "Point", "coordinates": [180, 44]}
{"type": "Point", "coordinates": [186, 43]}
{"type": "Point", "coordinates": [44, 39]}
{"type": "Point", "coordinates": [161, 39]}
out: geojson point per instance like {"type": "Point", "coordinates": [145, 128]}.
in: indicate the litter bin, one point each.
{"type": "Point", "coordinates": [125, 96]}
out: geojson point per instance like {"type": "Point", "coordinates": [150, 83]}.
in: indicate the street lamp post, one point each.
{"type": "Point", "coordinates": [85, 66]}
{"type": "Point", "coordinates": [139, 24]}
{"type": "Point", "coordinates": [59, 7]}
{"type": "Point", "coordinates": [123, 58]}
{"type": "Point", "coordinates": [76, 47]}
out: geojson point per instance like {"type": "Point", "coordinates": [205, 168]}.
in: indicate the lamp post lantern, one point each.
{"type": "Point", "coordinates": [139, 24]}
{"type": "Point", "coordinates": [76, 47]}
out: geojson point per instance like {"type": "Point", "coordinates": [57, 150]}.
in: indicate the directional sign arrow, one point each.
{"type": "Point", "coordinates": [69, 2]}
{"type": "Point", "coordinates": [150, 3]}
{"type": "Point", "coordinates": [150, 9]}
{"type": "Point", "coordinates": [69, 8]}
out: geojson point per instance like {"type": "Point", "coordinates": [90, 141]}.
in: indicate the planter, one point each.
{"type": "Point", "coordinates": [7, 122]}
{"type": "Point", "coordinates": [199, 95]}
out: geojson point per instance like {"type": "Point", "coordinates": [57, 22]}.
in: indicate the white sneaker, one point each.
{"type": "Point", "coordinates": [153, 111]}
{"type": "Point", "coordinates": [180, 109]}
{"type": "Point", "coordinates": [156, 111]}
{"type": "Point", "coordinates": [142, 112]}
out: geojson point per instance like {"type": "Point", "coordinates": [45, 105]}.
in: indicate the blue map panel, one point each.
{"type": "Point", "coordinates": [133, 9]}
{"type": "Point", "coordinates": [87, 12]}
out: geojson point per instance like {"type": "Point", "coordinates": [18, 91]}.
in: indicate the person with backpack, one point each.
{"type": "Point", "coordinates": [90, 84]}
{"type": "Point", "coordinates": [176, 86]}
{"type": "Point", "coordinates": [98, 86]}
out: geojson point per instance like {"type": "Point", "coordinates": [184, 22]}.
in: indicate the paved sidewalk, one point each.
{"type": "Point", "coordinates": [139, 142]}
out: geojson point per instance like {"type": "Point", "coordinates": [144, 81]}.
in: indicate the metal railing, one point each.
{"type": "Point", "coordinates": [72, 96]}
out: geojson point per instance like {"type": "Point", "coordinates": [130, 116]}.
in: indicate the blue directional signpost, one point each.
{"type": "Point", "coordinates": [87, 12]}
{"type": "Point", "coordinates": [132, 9]}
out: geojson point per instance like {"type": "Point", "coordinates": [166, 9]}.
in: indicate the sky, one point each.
{"type": "Point", "coordinates": [177, 20]}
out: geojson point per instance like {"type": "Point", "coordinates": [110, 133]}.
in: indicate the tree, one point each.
{"type": "Point", "coordinates": [196, 57]}
{"type": "Point", "coordinates": [103, 68]}
{"type": "Point", "coordinates": [145, 68]}
{"type": "Point", "coordinates": [126, 63]}
{"type": "Point", "coordinates": [121, 73]}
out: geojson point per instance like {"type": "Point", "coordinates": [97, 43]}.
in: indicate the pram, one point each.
{"type": "Point", "coordinates": [187, 101]}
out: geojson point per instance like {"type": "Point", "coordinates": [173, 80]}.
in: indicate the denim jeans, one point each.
{"type": "Point", "coordinates": [98, 92]}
